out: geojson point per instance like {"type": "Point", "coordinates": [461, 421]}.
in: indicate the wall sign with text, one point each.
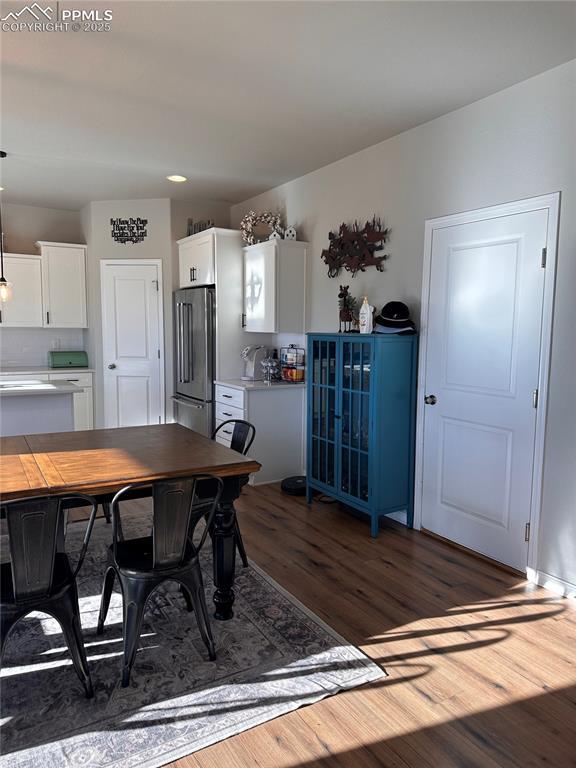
{"type": "Point", "coordinates": [129, 230]}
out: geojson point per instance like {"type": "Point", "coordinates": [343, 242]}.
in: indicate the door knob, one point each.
{"type": "Point", "coordinates": [112, 366]}
{"type": "Point", "coordinates": [430, 399]}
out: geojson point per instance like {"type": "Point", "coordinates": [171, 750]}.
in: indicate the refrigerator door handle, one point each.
{"type": "Point", "coordinates": [190, 342]}
{"type": "Point", "coordinates": [178, 400]}
{"type": "Point", "coordinates": [179, 342]}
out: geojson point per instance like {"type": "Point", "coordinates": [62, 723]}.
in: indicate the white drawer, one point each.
{"type": "Point", "coordinates": [234, 397]}
{"type": "Point", "coordinates": [225, 434]}
{"type": "Point", "coordinates": [225, 411]}
{"type": "Point", "coordinates": [10, 378]}
{"type": "Point", "coordinates": [82, 379]}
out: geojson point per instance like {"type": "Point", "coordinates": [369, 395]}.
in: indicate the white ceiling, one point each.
{"type": "Point", "coordinates": [242, 96]}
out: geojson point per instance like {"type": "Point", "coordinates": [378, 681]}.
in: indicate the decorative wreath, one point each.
{"type": "Point", "coordinates": [272, 220]}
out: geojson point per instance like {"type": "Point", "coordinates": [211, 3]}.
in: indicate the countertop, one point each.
{"type": "Point", "coordinates": [17, 389]}
{"type": "Point", "coordinates": [250, 385]}
{"type": "Point", "coordinates": [16, 369]}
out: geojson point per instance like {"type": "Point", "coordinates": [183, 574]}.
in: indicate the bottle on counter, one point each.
{"type": "Point", "coordinates": [365, 316]}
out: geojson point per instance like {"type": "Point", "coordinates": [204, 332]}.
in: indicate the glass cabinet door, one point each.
{"type": "Point", "coordinates": [323, 427]}
{"type": "Point", "coordinates": [356, 366]}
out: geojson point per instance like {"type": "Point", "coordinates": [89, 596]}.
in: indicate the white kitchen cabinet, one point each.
{"type": "Point", "coordinates": [196, 259]}
{"type": "Point", "coordinates": [83, 401]}
{"type": "Point", "coordinates": [49, 289]}
{"type": "Point", "coordinates": [24, 310]}
{"type": "Point", "coordinates": [274, 286]}
{"type": "Point", "coordinates": [63, 284]}
{"type": "Point", "coordinates": [277, 413]}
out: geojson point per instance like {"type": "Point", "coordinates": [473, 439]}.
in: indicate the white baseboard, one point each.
{"type": "Point", "coordinates": [553, 583]}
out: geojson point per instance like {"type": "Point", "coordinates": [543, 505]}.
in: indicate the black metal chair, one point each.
{"type": "Point", "coordinates": [242, 436]}
{"type": "Point", "coordinates": [142, 564]}
{"type": "Point", "coordinates": [39, 576]}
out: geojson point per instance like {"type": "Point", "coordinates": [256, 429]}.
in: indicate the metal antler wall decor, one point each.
{"type": "Point", "coordinates": [354, 248]}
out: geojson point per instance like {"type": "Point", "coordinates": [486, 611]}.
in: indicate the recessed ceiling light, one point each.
{"type": "Point", "coordinates": [1, 189]}
{"type": "Point", "coordinates": [177, 178]}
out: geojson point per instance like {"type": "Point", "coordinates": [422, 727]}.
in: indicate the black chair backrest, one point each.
{"type": "Point", "coordinates": [177, 510]}
{"type": "Point", "coordinates": [36, 529]}
{"type": "Point", "coordinates": [243, 434]}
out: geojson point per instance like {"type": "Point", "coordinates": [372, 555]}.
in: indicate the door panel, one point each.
{"type": "Point", "coordinates": [194, 333]}
{"type": "Point", "coordinates": [355, 418]}
{"type": "Point", "coordinates": [131, 340]}
{"type": "Point", "coordinates": [260, 288]}
{"type": "Point", "coordinates": [133, 398]}
{"type": "Point", "coordinates": [323, 437]}
{"type": "Point", "coordinates": [482, 365]}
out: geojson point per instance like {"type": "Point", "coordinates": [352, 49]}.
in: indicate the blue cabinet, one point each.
{"type": "Point", "coordinates": [361, 421]}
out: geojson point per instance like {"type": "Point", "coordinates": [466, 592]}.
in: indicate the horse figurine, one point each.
{"type": "Point", "coordinates": [347, 305]}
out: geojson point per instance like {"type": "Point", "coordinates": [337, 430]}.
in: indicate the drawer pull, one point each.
{"type": "Point", "coordinates": [226, 431]}
{"type": "Point", "coordinates": [72, 380]}
{"type": "Point", "coordinates": [226, 413]}
{"type": "Point", "coordinates": [228, 396]}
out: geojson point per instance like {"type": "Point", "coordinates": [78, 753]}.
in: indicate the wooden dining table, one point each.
{"type": "Point", "coordinates": [102, 461]}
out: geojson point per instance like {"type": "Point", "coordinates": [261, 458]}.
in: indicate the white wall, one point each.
{"type": "Point", "coordinates": [25, 224]}
{"type": "Point", "coordinates": [515, 144]}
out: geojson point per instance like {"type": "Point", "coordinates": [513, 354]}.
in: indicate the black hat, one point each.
{"type": "Point", "coordinates": [395, 314]}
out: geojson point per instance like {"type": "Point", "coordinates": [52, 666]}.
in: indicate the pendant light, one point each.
{"type": "Point", "coordinates": [5, 286]}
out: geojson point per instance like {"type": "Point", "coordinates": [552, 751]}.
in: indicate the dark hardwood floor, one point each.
{"type": "Point", "coordinates": [481, 664]}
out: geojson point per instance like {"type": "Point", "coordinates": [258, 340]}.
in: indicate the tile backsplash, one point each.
{"type": "Point", "coordinates": [30, 346]}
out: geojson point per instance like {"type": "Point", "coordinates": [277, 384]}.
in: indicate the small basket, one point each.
{"type": "Point", "coordinates": [293, 364]}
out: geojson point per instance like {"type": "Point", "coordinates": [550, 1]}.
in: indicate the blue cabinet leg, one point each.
{"type": "Point", "coordinates": [374, 527]}
{"type": "Point", "coordinates": [308, 495]}
{"type": "Point", "coordinates": [410, 515]}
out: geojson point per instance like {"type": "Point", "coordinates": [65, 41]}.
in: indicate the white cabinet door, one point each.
{"type": "Point", "coordinates": [64, 286]}
{"type": "Point", "coordinates": [260, 288]}
{"type": "Point", "coordinates": [24, 310]}
{"type": "Point", "coordinates": [84, 410]}
{"type": "Point", "coordinates": [196, 257]}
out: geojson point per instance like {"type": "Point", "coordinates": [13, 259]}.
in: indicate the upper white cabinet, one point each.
{"type": "Point", "coordinates": [64, 284]}
{"type": "Point", "coordinates": [24, 310]}
{"type": "Point", "coordinates": [49, 289]}
{"type": "Point", "coordinates": [274, 286]}
{"type": "Point", "coordinates": [196, 259]}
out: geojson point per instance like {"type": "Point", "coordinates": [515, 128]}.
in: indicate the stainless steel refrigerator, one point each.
{"type": "Point", "coordinates": [194, 358]}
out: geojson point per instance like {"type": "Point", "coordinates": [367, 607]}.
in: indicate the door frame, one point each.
{"type": "Point", "coordinates": [143, 263]}
{"type": "Point", "coordinates": [551, 202]}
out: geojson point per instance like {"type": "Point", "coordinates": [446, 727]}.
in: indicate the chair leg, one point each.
{"type": "Point", "coordinates": [134, 595]}
{"type": "Point", "coordinates": [67, 613]}
{"type": "Point", "coordinates": [187, 598]}
{"type": "Point", "coordinates": [192, 582]}
{"type": "Point", "coordinates": [240, 543]}
{"type": "Point", "coordinates": [106, 511]}
{"type": "Point", "coordinates": [107, 588]}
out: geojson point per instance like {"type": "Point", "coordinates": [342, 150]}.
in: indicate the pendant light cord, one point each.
{"type": "Point", "coordinates": [1, 248]}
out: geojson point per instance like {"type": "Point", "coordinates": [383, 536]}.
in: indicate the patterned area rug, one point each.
{"type": "Point", "coordinates": [273, 657]}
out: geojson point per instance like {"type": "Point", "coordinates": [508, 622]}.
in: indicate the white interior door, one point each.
{"type": "Point", "coordinates": [132, 344]}
{"type": "Point", "coordinates": [486, 289]}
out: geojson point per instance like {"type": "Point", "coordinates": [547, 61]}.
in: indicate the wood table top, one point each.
{"type": "Point", "coordinates": [20, 474]}
{"type": "Point", "coordinates": [104, 460]}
